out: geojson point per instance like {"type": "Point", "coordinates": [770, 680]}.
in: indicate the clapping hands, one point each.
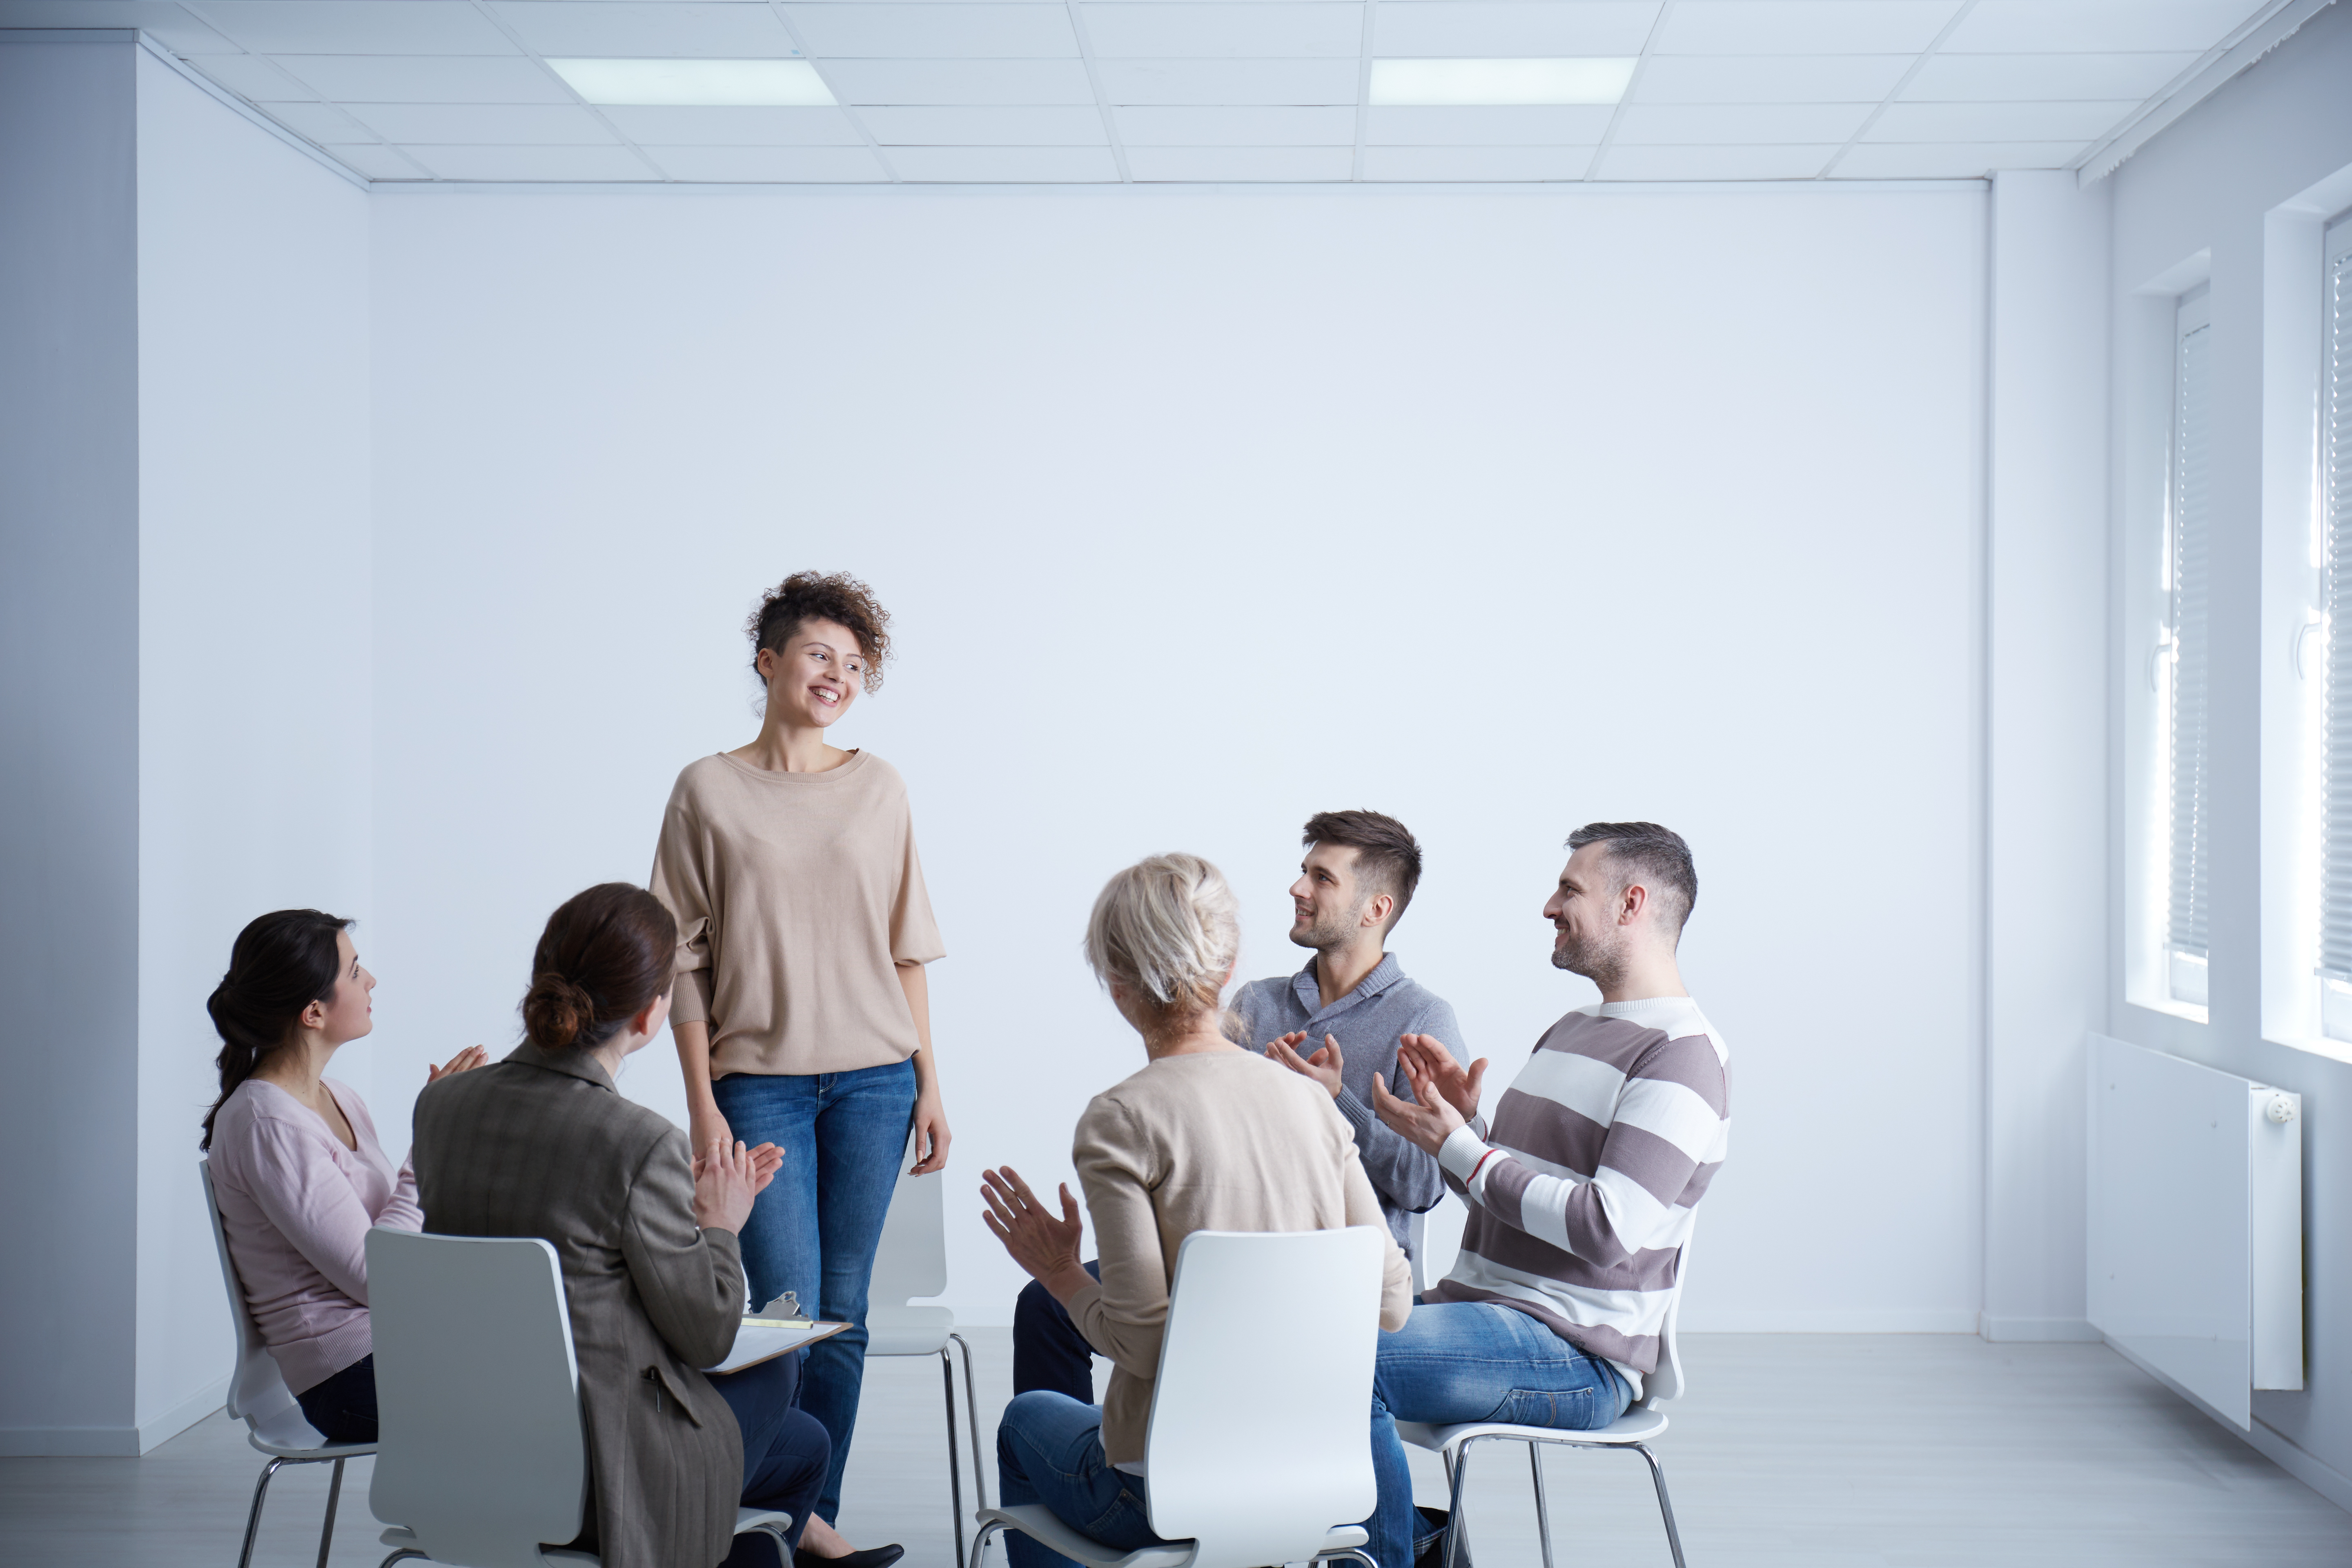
{"type": "Point", "coordinates": [1445, 1094]}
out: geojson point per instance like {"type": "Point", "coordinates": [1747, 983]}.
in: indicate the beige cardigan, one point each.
{"type": "Point", "coordinates": [1223, 1141]}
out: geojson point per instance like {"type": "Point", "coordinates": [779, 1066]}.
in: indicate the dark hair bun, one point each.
{"type": "Point", "coordinates": [556, 1013]}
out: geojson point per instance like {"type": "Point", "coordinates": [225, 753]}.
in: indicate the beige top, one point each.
{"type": "Point", "coordinates": [1225, 1140]}
{"type": "Point", "coordinates": [797, 895]}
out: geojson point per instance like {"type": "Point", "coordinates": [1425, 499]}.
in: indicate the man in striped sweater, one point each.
{"type": "Point", "coordinates": [1582, 1191]}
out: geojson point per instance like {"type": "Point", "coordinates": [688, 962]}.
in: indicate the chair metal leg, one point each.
{"type": "Point", "coordinates": [971, 1416]}
{"type": "Point", "coordinates": [334, 1495]}
{"type": "Point", "coordinates": [1456, 1527]}
{"type": "Point", "coordinates": [955, 1468]}
{"type": "Point", "coordinates": [1666, 1505]}
{"type": "Point", "coordinates": [403, 1552]}
{"type": "Point", "coordinates": [1543, 1504]}
{"type": "Point", "coordinates": [1357, 1552]}
{"type": "Point", "coordinates": [253, 1518]}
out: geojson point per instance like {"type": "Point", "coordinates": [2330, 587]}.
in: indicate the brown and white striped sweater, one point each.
{"type": "Point", "coordinates": [1604, 1144]}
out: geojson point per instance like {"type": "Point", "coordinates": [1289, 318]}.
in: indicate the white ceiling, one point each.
{"type": "Point", "coordinates": [1104, 91]}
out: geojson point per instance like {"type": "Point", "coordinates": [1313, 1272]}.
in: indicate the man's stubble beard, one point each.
{"type": "Point", "coordinates": [1602, 961]}
{"type": "Point", "coordinates": [1329, 931]}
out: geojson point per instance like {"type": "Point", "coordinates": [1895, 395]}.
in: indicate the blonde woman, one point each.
{"type": "Point", "coordinates": [1163, 940]}
{"type": "Point", "coordinates": [802, 1016]}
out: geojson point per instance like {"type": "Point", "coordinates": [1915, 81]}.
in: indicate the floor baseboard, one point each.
{"type": "Point", "coordinates": [2038, 1330]}
{"type": "Point", "coordinates": [2299, 1462]}
{"type": "Point", "coordinates": [113, 1442]}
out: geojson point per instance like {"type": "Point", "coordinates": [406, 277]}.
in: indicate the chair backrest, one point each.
{"type": "Point", "coordinates": [912, 1259]}
{"type": "Point", "coordinates": [257, 1395]}
{"type": "Point", "coordinates": [1261, 1433]}
{"type": "Point", "coordinates": [479, 1448]}
{"type": "Point", "coordinates": [1665, 1382]}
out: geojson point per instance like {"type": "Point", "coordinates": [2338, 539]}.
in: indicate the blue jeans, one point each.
{"type": "Point", "coordinates": [1472, 1361]}
{"type": "Point", "coordinates": [1049, 1450]}
{"type": "Point", "coordinates": [815, 1230]}
{"type": "Point", "coordinates": [1048, 1351]}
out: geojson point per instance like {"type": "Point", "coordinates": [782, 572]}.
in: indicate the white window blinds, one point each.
{"type": "Point", "coordinates": [2188, 553]}
{"type": "Point", "coordinates": [2336, 604]}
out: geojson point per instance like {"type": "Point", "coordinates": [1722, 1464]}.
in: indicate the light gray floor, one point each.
{"type": "Point", "coordinates": [1833, 1451]}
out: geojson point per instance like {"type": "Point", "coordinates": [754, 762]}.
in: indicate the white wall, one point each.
{"type": "Point", "coordinates": [69, 769]}
{"type": "Point", "coordinates": [1200, 511]}
{"type": "Point", "coordinates": [2228, 194]}
{"type": "Point", "coordinates": [2046, 746]}
{"type": "Point", "coordinates": [252, 605]}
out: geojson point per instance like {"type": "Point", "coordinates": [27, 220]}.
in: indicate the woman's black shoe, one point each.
{"type": "Point", "coordinates": [872, 1557]}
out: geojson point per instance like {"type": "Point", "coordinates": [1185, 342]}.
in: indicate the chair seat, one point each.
{"type": "Point", "coordinates": [281, 1444]}
{"type": "Point", "coordinates": [907, 1330]}
{"type": "Point", "coordinates": [746, 1521]}
{"type": "Point", "coordinates": [1040, 1524]}
{"type": "Point", "coordinates": [1638, 1426]}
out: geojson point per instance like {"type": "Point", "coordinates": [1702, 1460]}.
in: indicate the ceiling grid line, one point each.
{"type": "Point", "coordinates": [1633, 83]}
{"type": "Point", "coordinates": [372, 136]}
{"type": "Point", "coordinates": [1102, 98]}
{"type": "Point", "coordinates": [1364, 91]}
{"type": "Point", "coordinates": [849, 112]}
{"type": "Point", "coordinates": [1895, 93]}
{"type": "Point", "coordinates": [648, 158]}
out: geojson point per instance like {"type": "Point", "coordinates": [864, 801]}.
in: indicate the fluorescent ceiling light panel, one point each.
{"type": "Point", "coordinates": [1487, 82]}
{"type": "Point", "coordinates": [763, 84]}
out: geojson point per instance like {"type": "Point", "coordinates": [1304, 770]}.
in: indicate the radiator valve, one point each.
{"type": "Point", "coordinates": [2282, 1109]}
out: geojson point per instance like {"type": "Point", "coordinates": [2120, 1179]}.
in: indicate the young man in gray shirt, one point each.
{"type": "Point", "coordinates": [1358, 875]}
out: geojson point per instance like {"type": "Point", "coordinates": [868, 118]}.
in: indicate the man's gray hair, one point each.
{"type": "Point", "coordinates": [1654, 856]}
{"type": "Point", "coordinates": [1168, 928]}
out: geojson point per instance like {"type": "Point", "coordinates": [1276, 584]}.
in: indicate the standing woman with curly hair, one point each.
{"type": "Point", "coordinates": [802, 1017]}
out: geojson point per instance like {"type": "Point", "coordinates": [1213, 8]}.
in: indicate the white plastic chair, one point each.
{"type": "Point", "coordinates": [481, 1460]}
{"type": "Point", "coordinates": [1641, 1422]}
{"type": "Point", "coordinates": [912, 1260]}
{"type": "Point", "coordinates": [258, 1396]}
{"type": "Point", "coordinates": [1230, 1394]}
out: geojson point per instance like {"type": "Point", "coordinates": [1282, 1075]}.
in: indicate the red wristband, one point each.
{"type": "Point", "coordinates": [1481, 1165]}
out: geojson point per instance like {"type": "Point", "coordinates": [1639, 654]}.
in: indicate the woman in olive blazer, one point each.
{"type": "Point", "coordinates": [543, 1144]}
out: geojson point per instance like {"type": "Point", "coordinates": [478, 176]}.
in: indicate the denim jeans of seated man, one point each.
{"type": "Point", "coordinates": [1472, 1361]}
{"type": "Point", "coordinates": [815, 1230]}
{"type": "Point", "coordinates": [1049, 1450]}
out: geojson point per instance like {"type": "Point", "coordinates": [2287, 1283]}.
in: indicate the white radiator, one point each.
{"type": "Point", "coordinates": [2196, 1224]}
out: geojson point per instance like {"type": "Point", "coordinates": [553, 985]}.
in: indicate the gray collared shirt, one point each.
{"type": "Point", "coordinates": [1365, 1021]}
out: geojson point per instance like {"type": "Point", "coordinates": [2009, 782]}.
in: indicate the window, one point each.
{"type": "Point", "coordinates": [2189, 662]}
{"type": "Point", "coordinates": [2334, 493]}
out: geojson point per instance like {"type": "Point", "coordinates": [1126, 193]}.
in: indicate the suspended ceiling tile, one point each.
{"type": "Point", "coordinates": [1952, 161]}
{"type": "Point", "coordinates": [169, 25]}
{"type": "Point", "coordinates": [1949, 78]}
{"type": "Point", "coordinates": [1998, 122]}
{"type": "Point", "coordinates": [482, 125]}
{"type": "Point", "coordinates": [1997, 26]}
{"type": "Point", "coordinates": [1776, 79]}
{"type": "Point", "coordinates": [1804, 26]}
{"type": "Point", "coordinates": [650, 127]}
{"type": "Point", "coordinates": [1546, 125]}
{"type": "Point", "coordinates": [1458, 164]}
{"type": "Point", "coordinates": [1797, 162]}
{"type": "Point", "coordinates": [1005, 165]}
{"type": "Point", "coordinates": [375, 163]}
{"type": "Point", "coordinates": [358, 26]}
{"type": "Point", "coordinates": [1172, 29]}
{"type": "Point", "coordinates": [1144, 125]}
{"type": "Point", "coordinates": [1238, 164]}
{"type": "Point", "coordinates": [638, 31]}
{"type": "Point", "coordinates": [1229, 81]}
{"type": "Point", "coordinates": [254, 78]}
{"type": "Point", "coordinates": [971, 29]}
{"type": "Point", "coordinates": [408, 78]}
{"type": "Point", "coordinates": [1482, 29]}
{"type": "Point", "coordinates": [1040, 125]}
{"type": "Point", "coordinates": [771, 165]}
{"type": "Point", "coordinates": [960, 81]}
{"type": "Point", "coordinates": [1716, 124]}
{"type": "Point", "coordinates": [319, 123]}
{"type": "Point", "coordinates": [534, 163]}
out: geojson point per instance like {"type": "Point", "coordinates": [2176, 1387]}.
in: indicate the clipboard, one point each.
{"type": "Point", "coordinates": [764, 1339]}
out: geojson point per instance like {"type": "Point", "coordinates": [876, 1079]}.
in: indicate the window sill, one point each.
{"type": "Point", "coordinates": [2318, 1046]}
{"type": "Point", "coordinates": [2190, 1011]}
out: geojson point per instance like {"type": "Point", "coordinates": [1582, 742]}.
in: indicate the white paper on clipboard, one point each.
{"type": "Point", "coordinates": [763, 1338]}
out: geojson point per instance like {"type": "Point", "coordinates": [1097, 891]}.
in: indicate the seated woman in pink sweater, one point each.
{"type": "Point", "coordinates": [295, 1166]}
